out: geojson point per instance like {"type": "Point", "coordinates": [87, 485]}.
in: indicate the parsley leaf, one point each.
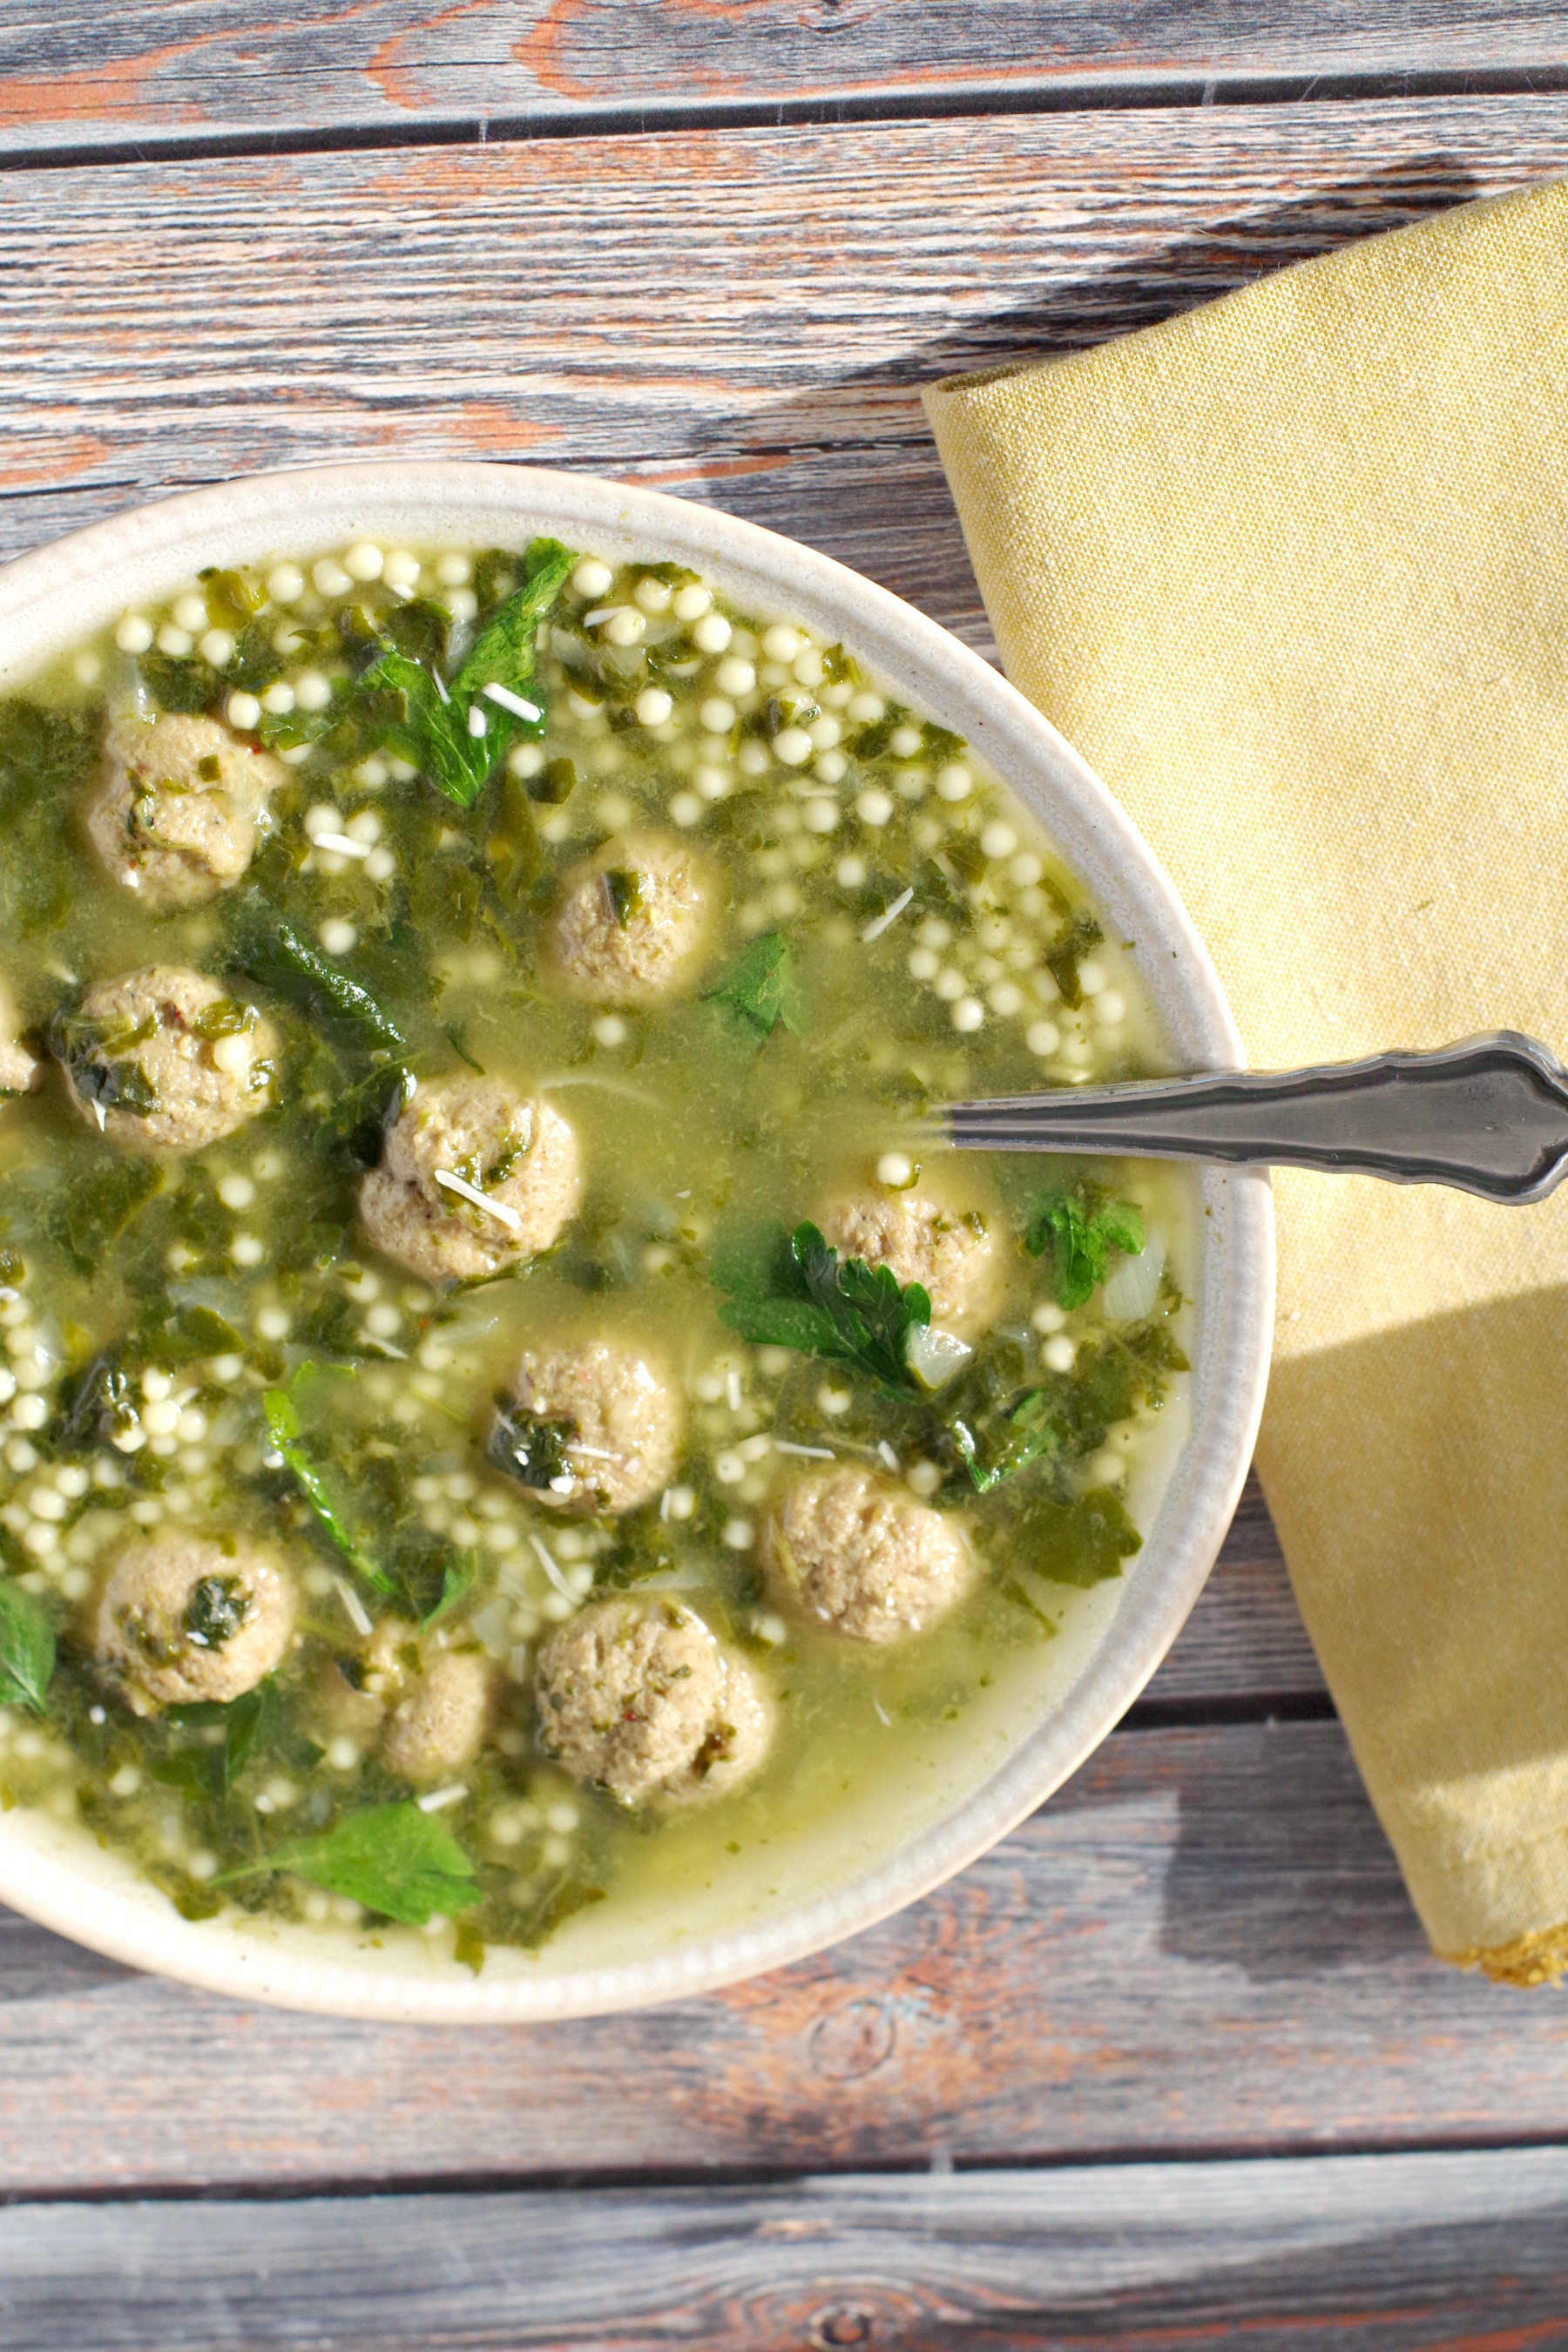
{"type": "Point", "coordinates": [392, 1858]}
{"type": "Point", "coordinates": [26, 1649]}
{"type": "Point", "coordinates": [790, 1290]}
{"type": "Point", "coordinates": [284, 1430]}
{"type": "Point", "coordinates": [428, 723]}
{"type": "Point", "coordinates": [760, 987]}
{"type": "Point", "coordinates": [1080, 1227]}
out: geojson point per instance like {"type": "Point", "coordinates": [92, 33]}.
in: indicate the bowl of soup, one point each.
{"type": "Point", "coordinates": [530, 1481]}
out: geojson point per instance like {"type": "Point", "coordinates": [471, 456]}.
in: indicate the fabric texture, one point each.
{"type": "Point", "coordinates": [1291, 569]}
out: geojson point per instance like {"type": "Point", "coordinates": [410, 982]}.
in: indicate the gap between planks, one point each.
{"type": "Point", "coordinates": [1086, 94]}
{"type": "Point", "coordinates": [1377, 2255]}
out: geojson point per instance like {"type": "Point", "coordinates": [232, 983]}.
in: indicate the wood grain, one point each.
{"type": "Point", "coordinates": [742, 317]}
{"type": "Point", "coordinates": [168, 69]}
{"type": "Point", "coordinates": [1200, 1947]}
{"type": "Point", "coordinates": [1371, 2253]}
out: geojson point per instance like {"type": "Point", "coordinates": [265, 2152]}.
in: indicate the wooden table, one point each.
{"type": "Point", "coordinates": [1172, 2064]}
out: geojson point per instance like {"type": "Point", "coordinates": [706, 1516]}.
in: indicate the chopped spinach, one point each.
{"type": "Point", "coordinates": [218, 1607]}
{"type": "Point", "coordinates": [626, 894]}
{"type": "Point", "coordinates": [531, 1450]}
{"type": "Point", "coordinates": [1082, 1541]}
{"type": "Point", "coordinates": [760, 987]}
{"type": "Point", "coordinates": [86, 1216]}
{"type": "Point", "coordinates": [1078, 934]}
{"type": "Point", "coordinates": [273, 952]}
{"type": "Point", "coordinates": [26, 1649]}
{"type": "Point", "coordinates": [287, 1436]}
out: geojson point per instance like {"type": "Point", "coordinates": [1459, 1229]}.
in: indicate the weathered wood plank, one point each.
{"type": "Point", "coordinates": [1375, 2254]}
{"type": "Point", "coordinates": [162, 69]}
{"type": "Point", "coordinates": [1201, 1945]}
{"type": "Point", "coordinates": [1246, 1638]}
{"type": "Point", "coordinates": [743, 317]}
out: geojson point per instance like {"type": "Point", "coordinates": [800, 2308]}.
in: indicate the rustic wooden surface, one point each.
{"type": "Point", "coordinates": [1389, 2254]}
{"type": "Point", "coordinates": [166, 70]}
{"type": "Point", "coordinates": [1180, 2034]}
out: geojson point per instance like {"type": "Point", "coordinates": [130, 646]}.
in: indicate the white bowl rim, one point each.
{"type": "Point", "coordinates": [322, 507]}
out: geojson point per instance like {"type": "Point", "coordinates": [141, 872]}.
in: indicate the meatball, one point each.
{"type": "Point", "coordinates": [611, 1428]}
{"type": "Point", "coordinates": [521, 1155]}
{"type": "Point", "coordinates": [952, 1253]}
{"type": "Point", "coordinates": [640, 1699]}
{"type": "Point", "coordinates": [173, 815]}
{"type": "Point", "coordinates": [861, 1556]}
{"type": "Point", "coordinates": [19, 1072]}
{"type": "Point", "coordinates": [438, 1725]}
{"type": "Point", "coordinates": [164, 1060]}
{"type": "Point", "coordinates": [634, 922]}
{"type": "Point", "coordinates": [186, 1617]}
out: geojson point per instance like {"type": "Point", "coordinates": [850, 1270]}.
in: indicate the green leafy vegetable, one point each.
{"type": "Point", "coordinates": [284, 1429]}
{"type": "Point", "coordinates": [432, 724]}
{"type": "Point", "coordinates": [394, 1859]}
{"type": "Point", "coordinates": [760, 987]}
{"type": "Point", "coordinates": [87, 1216]}
{"type": "Point", "coordinates": [250, 1725]}
{"type": "Point", "coordinates": [1080, 1227]}
{"type": "Point", "coordinates": [1079, 935]}
{"type": "Point", "coordinates": [185, 1333]}
{"type": "Point", "coordinates": [512, 844]}
{"type": "Point", "coordinates": [997, 1446]}
{"type": "Point", "coordinates": [218, 1607]}
{"type": "Point", "coordinates": [180, 683]}
{"type": "Point", "coordinates": [272, 951]}
{"type": "Point", "coordinates": [1080, 1542]}
{"type": "Point", "coordinates": [26, 1649]}
{"type": "Point", "coordinates": [531, 1450]}
{"type": "Point", "coordinates": [503, 652]}
{"type": "Point", "coordinates": [625, 886]}
{"type": "Point", "coordinates": [790, 1290]}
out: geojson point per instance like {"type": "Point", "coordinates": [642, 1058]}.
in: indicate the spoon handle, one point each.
{"type": "Point", "coordinates": [1489, 1116]}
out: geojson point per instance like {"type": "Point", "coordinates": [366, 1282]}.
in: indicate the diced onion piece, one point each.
{"type": "Point", "coordinates": [1131, 1291]}
{"type": "Point", "coordinates": [934, 1355]}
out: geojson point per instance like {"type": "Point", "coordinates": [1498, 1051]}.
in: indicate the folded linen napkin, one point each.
{"type": "Point", "coordinates": [1292, 571]}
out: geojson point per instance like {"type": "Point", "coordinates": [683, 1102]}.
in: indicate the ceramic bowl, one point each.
{"type": "Point", "coordinates": [1007, 1755]}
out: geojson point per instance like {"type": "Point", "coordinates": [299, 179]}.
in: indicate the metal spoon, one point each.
{"type": "Point", "coordinates": [1489, 1116]}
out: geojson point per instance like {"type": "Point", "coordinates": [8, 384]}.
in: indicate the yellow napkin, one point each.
{"type": "Point", "coordinates": [1292, 571]}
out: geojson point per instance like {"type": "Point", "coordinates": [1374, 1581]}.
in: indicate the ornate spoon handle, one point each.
{"type": "Point", "coordinates": [1489, 1116]}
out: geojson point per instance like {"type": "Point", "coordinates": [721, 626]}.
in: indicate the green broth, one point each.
{"type": "Point", "coordinates": [891, 929]}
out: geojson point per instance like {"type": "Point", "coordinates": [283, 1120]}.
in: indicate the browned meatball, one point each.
{"type": "Point", "coordinates": [519, 1153]}
{"type": "Point", "coordinates": [164, 1059]}
{"type": "Point", "coordinates": [173, 815]}
{"type": "Point", "coordinates": [850, 1551]}
{"type": "Point", "coordinates": [633, 923]}
{"type": "Point", "coordinates": [618, 1421]}
{"type": "Point", "coordinates": [639, 1698]}
{"type": "Point", "coordinates": [186, 1617]}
